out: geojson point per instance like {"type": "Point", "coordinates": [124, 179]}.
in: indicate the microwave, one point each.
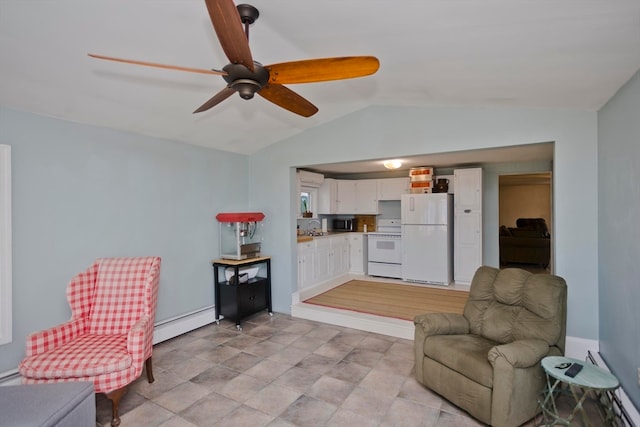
{"type": "Point", "coordinates": [345, 224]}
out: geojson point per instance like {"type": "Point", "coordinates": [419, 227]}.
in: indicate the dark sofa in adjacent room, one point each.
{"type": "Point", "coordinates": [528, 243]}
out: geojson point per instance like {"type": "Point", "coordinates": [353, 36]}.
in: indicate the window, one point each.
{"type": "Point", "coordinates": [5, 244]}
{"type": "Point", "coordinates": [308, 201]}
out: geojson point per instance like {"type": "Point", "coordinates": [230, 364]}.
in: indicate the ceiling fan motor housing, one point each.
{"type": "Point", "coordinates": [245, 81]}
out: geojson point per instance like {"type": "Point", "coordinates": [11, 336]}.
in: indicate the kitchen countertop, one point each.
{"type": "Point", "coordinates": [305, 238]}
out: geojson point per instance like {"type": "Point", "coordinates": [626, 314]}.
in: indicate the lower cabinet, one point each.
{"type": "Point", "coordinates": [306, 264]}
{"type": "Point", "coordinates": [356, 253]}
{"type": "Point", "coordinates": [323, 258]}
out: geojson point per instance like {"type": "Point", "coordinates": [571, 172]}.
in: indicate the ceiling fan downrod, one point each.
{"type": "Point", "coordinates": [248, 15]}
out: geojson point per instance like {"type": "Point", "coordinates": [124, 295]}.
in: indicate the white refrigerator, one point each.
{"type": "Point", "coordinates": [427, 238]}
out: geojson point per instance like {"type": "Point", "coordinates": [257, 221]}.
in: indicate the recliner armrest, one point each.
{"type": "Point", "coordinates": [442, 324]}
{"type": "Point", "coordinates": [521, 353]}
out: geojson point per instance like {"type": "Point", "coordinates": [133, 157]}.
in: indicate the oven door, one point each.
{"type": "Point", "coordinates": [385, 248]}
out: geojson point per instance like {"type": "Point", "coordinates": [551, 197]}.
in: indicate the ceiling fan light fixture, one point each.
{"type": "Point", "coordinates": [246, 88]}
{"type": "Point", "coordinates": [392, 164]}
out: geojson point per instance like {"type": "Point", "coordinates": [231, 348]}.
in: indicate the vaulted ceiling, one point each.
{"type": "Point", "coordinates": [513, 53]}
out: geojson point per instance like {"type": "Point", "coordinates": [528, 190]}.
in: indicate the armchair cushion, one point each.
{"type": "Point", "coordinates": [85, 356]}
{"type": "Point", "coordinates": [466, 354]}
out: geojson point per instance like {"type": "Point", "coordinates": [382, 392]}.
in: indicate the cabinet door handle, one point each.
{"type": "Point", "coordinates": [467, 211]}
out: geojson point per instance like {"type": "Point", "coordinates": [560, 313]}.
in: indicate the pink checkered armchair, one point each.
{"type": "Point", "coordinates": [109, 337]}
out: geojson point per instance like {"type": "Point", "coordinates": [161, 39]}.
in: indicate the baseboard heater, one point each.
{"type": "Point", "coordinates": [617, 403]}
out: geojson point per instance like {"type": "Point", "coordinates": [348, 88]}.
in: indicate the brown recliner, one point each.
{"type": "Point", "coordinates": [487, 360]}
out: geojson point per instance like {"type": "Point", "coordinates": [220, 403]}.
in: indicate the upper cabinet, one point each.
{"type": "Point", "coordinates": [358, 196]}
{"type": "Point", "coordinates": [366, 196]}
{"type": "Point", "coordinates": [347, 193]}
{"type": "Point", "coordinates": [468, 189]}
{"type": "Point", "coordinates": [328, 197]}
{"type": "Point", "coordinates": [392, 188]}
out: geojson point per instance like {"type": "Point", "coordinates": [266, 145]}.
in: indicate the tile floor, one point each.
{"type": "Point", "coordinates": [282, 371]}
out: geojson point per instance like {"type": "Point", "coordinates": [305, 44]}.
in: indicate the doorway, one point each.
{"type": "Point", "coordinates": [526, 222]}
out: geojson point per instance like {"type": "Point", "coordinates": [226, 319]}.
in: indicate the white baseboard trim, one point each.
{"type": "Point", "coordinates": [179, 325]}
{"type": "Point", "coordinates": [11, 377]}
{"type": "Point", "coordinates": [162, 331]}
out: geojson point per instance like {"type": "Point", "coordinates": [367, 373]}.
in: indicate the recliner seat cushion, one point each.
{"type": "Point", "coordinates": [86, 356]}
{"type": "Point", "coordinates": [465, 354]}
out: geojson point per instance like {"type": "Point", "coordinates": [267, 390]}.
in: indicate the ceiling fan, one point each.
{"type": "Point", "coordinates": [248, 77]}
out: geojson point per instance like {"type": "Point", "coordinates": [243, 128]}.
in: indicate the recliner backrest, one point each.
{"type": "Point", "coordinates": [513, 304]}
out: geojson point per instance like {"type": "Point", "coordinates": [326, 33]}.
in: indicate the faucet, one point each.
{"type": "Point", "coordinates": [310, 231]}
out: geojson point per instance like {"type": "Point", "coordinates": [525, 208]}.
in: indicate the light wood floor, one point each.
{"type": "Point", "coordinates": [400, 301]}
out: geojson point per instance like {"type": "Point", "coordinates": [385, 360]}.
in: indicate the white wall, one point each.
{"type": "Point", "coordinates": [385, 132]}
{"type": "Point", "coordinates": [83, 192]}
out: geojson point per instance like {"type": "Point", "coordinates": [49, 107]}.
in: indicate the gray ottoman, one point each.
{"type": "Point", "coordinates": [47, 405]}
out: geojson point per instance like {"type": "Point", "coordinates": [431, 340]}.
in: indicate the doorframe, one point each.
{"type": "Point", "coordinates": [552, 221]}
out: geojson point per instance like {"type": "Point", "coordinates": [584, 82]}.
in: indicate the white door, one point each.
{"type": "Point", "coordinates": [468, 245]}
{"type": "Point", "coordinates": [426, 254]}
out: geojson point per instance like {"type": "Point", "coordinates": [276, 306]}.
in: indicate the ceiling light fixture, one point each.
{"type": "Point", "coordinates": [392, 164]}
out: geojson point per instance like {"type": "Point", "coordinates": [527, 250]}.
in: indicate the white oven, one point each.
{"type": "Point", "coordinates": [384, 249]}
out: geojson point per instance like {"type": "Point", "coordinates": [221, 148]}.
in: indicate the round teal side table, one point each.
{"type": "Point", "coordinates": [591, 379]}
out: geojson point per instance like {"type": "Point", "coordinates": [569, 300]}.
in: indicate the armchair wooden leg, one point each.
{"type": "Point", "coordinates": [115, 397]}
{"type": "Point", "coordinates": [149, 369]}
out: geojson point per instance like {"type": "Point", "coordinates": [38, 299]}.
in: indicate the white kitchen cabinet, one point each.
{"type": "Point", "coordinates": [392, 188]}
{"type": "Point", "coordinates": [306, 264]}
{"type": "Point", "coordinates": [328, 197]}
{"type": "Point", "coordinates": [339, 255]}
{"type": "Point", "coordinates": [468, 245]}
{"type": "Point", "coordinates": [467, 224]}
{"type": "Point", "coordinates": [323, 259]}
{"type": "Point", "coordinates": [366, 196]}
{"type": "Point", "coordinates": [356, 253]}
{"type": "Point", "coordinates": [357, 196]}
{"type": "Point", "coordinates": [468, 189]}
{"type": "Point", "coordinates": [346, 196]}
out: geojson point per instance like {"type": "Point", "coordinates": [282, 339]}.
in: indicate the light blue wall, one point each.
{"type": "Point", "coordinates": [82, 192]}
{"type": "Point", "coordinates": [385, 132]}
{"type": "Point", "coordinates": [619, 234]}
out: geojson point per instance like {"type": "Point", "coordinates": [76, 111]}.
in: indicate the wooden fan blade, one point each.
{"type": "Point", "coordinates": [288, 99]}
{"type": "Point", "coordinates": [153, 64]}
{"type": "Point", "coordinates": [228, 26]}
{"type": "Point", "coordinates": [216, 99]}
{"type": "Point", "coordinates": [322, 69]}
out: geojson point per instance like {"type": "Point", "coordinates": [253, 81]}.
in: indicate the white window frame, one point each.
{"type": "Point", "coordinates": [5, 245]}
